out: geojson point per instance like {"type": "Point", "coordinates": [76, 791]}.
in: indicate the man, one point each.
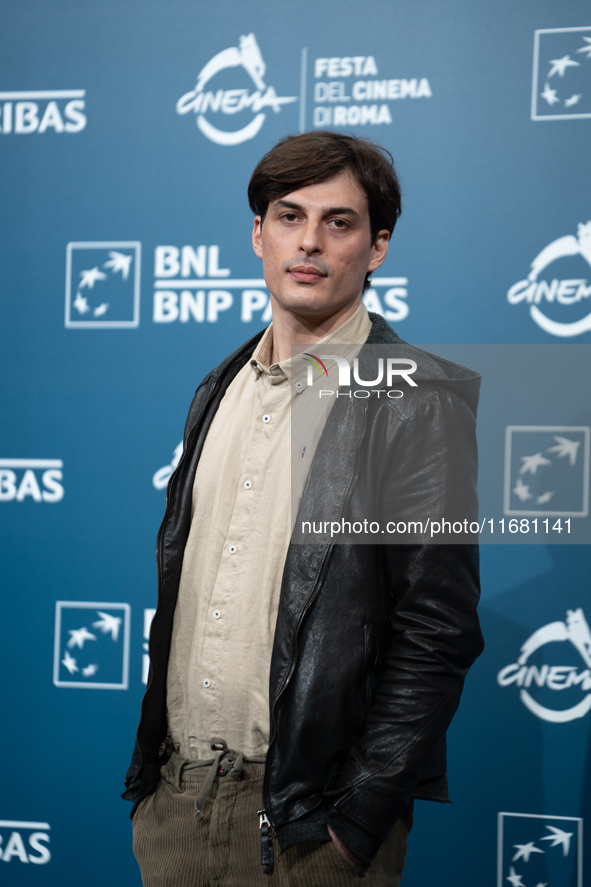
{"type": "Point", "coordinates": [329, 670]}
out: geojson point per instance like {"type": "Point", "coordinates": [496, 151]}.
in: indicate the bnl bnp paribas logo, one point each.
{"type": "Point", "coordinates": [561, 85]}
{"type": "Point", "coordinates": [42, 111]}
{"type": "Point", "coordinates": [536, 850]}
{"type": "Point", "coordinates": [547, 471]}
{"type": "Point", "coordinates": [24, 842]}
{"type": "Point", "coordinates": [103, 284]}
{"type": "Point", "coordinates": [191, 285]}
{"type": "Point", "coordinates": [91, 647]}
{"type": "Point", "coordinates": [224, 91]}
{"type": "Point", "coordinates": [31, 480]}
{"type": "Point", "coordinates": [558, 286]}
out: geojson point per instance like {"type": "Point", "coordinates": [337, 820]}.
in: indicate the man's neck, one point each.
{"type": "Point", "coordinates": [291, 330]}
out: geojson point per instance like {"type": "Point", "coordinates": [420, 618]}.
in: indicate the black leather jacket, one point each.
{"type": "Point", "coordinates": [372, 642]}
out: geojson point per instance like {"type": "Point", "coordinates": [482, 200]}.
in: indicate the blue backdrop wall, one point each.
{"type": "Point", "coordinates": [128, 132]}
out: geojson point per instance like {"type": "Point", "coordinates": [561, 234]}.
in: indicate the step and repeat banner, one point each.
{"type": "Point", "coordinates": [128, 133]}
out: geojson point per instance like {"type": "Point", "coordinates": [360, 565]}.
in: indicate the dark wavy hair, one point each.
{"type": "Point", "coordinates": [311, 157]}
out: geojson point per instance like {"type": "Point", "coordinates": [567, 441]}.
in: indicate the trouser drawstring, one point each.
{"type": "Point", "coordinates": [225, 761]}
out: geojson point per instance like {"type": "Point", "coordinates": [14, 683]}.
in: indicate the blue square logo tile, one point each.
{"type": "Point", "coordinates": [539, 851]}
{"type": "Point", "coordinates": [547, 470]}
{"type": "Point", "coordinates": [561, 86]}
{"type": "Point", "coordinates": [103, 284]}
{"type": "Point", "coordinates": [91, 645]}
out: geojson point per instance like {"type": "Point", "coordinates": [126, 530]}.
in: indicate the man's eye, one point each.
{"type": "Point", "coordinates": [290, 217]}
{"type": "Point", "coordinates": [339, 223]}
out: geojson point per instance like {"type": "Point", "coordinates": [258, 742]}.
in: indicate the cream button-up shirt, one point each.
{"type": "Point", "coordinates": [224, 622]}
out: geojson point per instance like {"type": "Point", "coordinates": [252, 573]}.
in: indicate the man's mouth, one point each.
{"type": "Point", "coordinates": [306, 273]}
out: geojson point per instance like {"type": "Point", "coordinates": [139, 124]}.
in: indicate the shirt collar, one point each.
{"type": "Point", "coordinates": [354, 331]}
{"type": "Point", "coordinates": [261, 360]}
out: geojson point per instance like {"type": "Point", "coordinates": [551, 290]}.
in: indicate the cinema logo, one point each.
{"type": "Point", "coordinates": [42, 110]}
{"type": "Point", "coordinates": [36, 479]}
{"type": "Point", "coordinates": [233, 103]}
{"type": "Point", "coordinates": [546, 291]}
{"type": "Point", "coordinates": [24, 842]}
{"type": "Point", "coordinates": [395, 368]}
{"type": "Point", "coordinates": [539, 681]}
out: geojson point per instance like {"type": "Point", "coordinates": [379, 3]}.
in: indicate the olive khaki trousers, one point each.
{"type": "Point", "coordinates": [174, 849]}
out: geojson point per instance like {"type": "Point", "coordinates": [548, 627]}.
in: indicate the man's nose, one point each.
{"type": "Point", "coordinates": [311, 238]}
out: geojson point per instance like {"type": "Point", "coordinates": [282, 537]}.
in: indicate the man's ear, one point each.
{"type": "Point", "coordinates": [257, 232]}
{"type": "Point", "coordinates": [379, 250]}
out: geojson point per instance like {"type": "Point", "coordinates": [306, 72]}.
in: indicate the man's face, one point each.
{"type": "Point", "coordinates": [316, 247]}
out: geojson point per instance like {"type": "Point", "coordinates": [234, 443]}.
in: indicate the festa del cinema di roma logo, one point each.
{"type": "Point", "coordinates": [204, 102]}
{"type": "Point", "coordinates": [545, 291]}
{"type": "Point", "coordinates": [366, 105]}
{"type": "Point", "coordinates": [541, 679]}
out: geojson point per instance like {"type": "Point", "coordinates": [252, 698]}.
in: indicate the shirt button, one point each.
{"type": "Point", "coordinates": [217, 614]}
{"type": "Point", "coordinates": [266, 418]}
{"type": "Point", "coordinates": [299, 385]}
{"type": "Point", "coordinates": [206, 683]}
{"type": "Point", "coordinates": [232, 549]}
{"type": "Point", "coordinates": [247, 484]}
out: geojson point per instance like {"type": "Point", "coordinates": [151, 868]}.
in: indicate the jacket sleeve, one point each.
{"type": "Point", "coordinates": [434, 634]}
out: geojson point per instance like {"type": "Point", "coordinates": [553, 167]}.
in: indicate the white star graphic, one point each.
{"type": "Point", "coordinates": [108, 624]}
{"type": "Point", "coordinates": [80, 303]}
{"type": "Point", "coordinates": [90, 669]}
{"type": "Point", "coordinates": [78, 636]}
{"type": "Point", "coordinates": [549, 95]}
{"type": "Point", "coordinates": [545, 497]}
{"type": "Point", "coordinates": [532, 463]}
{"type": "Point", "coordinates": [522, 491]}
{"type": "Point", "coordinates": [574, 100]}
{"type": "Point", "coordinates": [558, 837]}
{"type": "Point", "coordinates": [515, 879]}
{"type": "Point", "coordinates": [90, 277]}
{"type": "Point", "coordinates": [587, 48]}
{"type": "Point", "coordinates": [565, 447]}
{"type": "Point", "coordinates": [525, 851]}
{"type": "Point", "coordinates": [119, 262]}
{"type": "Point", "coordinates": [69, 663]}
{"type": "Point", "coordinates": [559, 66]}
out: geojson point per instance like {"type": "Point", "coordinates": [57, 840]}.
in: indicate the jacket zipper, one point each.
{"type": "Point", "coordinates": [311, 600]}
{"type": "Point", "coordinates": [161, 532]}
{"type": "Point", "coordinates": [267, 854]}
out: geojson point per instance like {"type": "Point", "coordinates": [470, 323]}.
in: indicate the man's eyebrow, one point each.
{"type": "Point", "coordinates": [331, 211]}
